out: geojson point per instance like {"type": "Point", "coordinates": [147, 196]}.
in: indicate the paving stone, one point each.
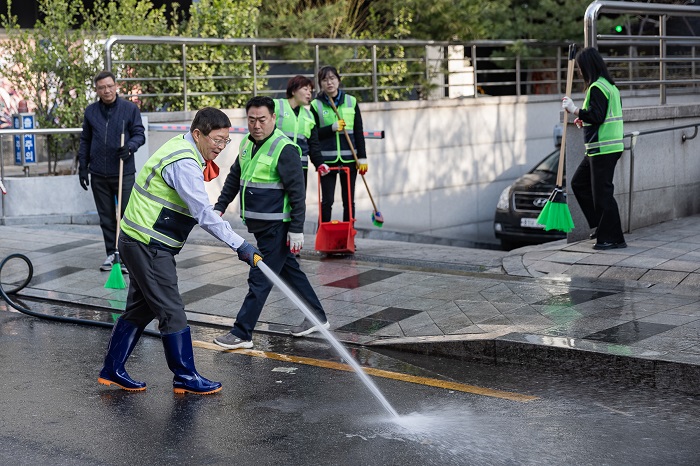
{"type": "Point", "coordinates": [678, 266]}
{"type": "Point", "coordinates": [663, 276]}
{"type": "Point", "coordinates": [623, 273]}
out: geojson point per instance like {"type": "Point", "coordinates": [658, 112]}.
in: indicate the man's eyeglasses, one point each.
{"type": "Point", "coordinates": [220, 142]}
{"type": "Point", "coordinates": [105, 87]}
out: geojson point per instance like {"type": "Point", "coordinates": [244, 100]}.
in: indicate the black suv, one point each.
{"type": "Point", "coordinates": [519, 205]}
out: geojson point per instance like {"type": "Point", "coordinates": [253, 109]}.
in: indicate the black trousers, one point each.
{"type": "Point", "coordinates": [328, 192]}
{"type": "Point", "coordinates": [104, 191]}
{"type": "Point", "coordinates": [153, 291]}
{"type": "Point", "coordinates": [273, 246]}
{"type": "Point", "coordinates": [593, 187]}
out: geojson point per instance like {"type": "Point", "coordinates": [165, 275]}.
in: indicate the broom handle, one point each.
{"type": "Point", "coordinates": [562, 149]}
{"type": "Point", "coordinates": [352, 150]}
{"type": "Point", "coordinates": [119, 192]}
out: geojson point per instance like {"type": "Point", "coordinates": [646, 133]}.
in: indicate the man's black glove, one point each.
{"type": "Point", "coordinates": [123, 152]}
{"type": "Point", "coordinates": [83, 177]}
{"type": "Point", "coordinates": [249, 254]}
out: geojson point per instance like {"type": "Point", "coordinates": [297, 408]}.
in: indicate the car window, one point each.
{"type": "Point", "coordinates": [550, 164]}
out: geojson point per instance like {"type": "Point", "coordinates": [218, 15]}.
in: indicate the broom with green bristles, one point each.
{"type": "Point", "coordinates": [116, 279]}
{"type": "Point", "coordinates": [556, 215]}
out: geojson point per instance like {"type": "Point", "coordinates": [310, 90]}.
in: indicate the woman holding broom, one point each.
{"type": "Point", "coordinates": [601, 117]}
{"type": "Point", "coordinates": [335, 148]}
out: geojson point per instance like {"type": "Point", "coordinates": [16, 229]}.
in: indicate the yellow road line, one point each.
{"type": "Point", "coordinates": [460, 387]}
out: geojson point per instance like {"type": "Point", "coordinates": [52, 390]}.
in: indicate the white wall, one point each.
{"type": "Point", "coordinates": [438, 172]}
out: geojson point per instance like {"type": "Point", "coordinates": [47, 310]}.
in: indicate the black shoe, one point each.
{"type": "Point", "coordinates": [604, 246]}
{"type": "Point", "coordinates": [593, 235]}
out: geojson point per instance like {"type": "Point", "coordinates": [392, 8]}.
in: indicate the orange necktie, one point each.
{"type": "Point", "coordinates": [211, 170]}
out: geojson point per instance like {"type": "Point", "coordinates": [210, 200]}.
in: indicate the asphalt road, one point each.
{"type": "Point", "coordinates": [291, 405]}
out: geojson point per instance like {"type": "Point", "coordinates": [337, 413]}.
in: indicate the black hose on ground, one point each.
{"type": "Point", "coordinates": [23, 283]}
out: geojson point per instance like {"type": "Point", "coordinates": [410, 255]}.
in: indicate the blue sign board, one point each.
{"type": "Point", "coordinates": [18, 142]}
{"type": "Point", "coordinates": [25, 144]}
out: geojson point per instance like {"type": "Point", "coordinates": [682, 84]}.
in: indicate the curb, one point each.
{"type": "Point", "coordinates": [511, 350]}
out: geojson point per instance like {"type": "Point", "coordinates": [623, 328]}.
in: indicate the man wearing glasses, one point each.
{"type": "Point", "coordinates": [270, 179]}
{"type": "Point", "coordinates": [101, 148]}
{"type": "Point", "coordinates": [169, 199]}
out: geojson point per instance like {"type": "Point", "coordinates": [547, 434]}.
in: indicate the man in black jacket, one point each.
{"type": "Point", "coordinates": [100, 151]}
{"type": "Point", "coordinates": [268, 177]}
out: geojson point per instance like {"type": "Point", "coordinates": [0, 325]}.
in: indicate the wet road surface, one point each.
{"type": "Point", "coordinates": [273, 411]}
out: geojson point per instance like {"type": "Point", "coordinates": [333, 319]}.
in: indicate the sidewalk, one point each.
{"type": "Point", "coordinates": [634, 312]}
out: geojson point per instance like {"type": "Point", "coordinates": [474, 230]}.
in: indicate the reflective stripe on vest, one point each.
{"type": "Point", "coordinates": [610, 132]}
{"type": "Point", "coordinates": [297, 128]}
{"type": "Point", "coordinates": [337, 149]}
{"type": "Point", "coordinates": [155, 212]}
{"type": "Point", "coordinates": [153, 234]}
{"type": "Point", "coordinates": [262, 194]}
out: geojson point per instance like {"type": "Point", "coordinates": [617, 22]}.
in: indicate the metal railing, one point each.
{"type": "Point", "coordinates": [677, 69]}
{"type": "Point", "coordinates": [634, 136]}
{"type": "Point", "coordinates": [376, 70]}
{"type": "Point", "coordinates": [178, 73]}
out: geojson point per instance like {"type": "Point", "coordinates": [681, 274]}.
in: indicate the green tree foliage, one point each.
{"type": "Point", "coordinates": [132, 63]}
{"type": "Point", "coordinates": [223, 73]}
{"type": "Point", "coordinates": [49, 64]}
{"type": "Point", "coordinates": [50, 67]}
{"type": "Point", "coordinates": [345, 19]}
{"type": "Point", "coordinates": [456, 20]}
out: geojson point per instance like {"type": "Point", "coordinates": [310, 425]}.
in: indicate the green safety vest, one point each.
{"type": "Point", "coordinates": [609, 135]}
{"type": "Point", "coordinates": [337, 149]}
{"type": "Point", "coordinates": [263, 196]}
{"type": "Point", "coordinates": [296, 128]}
{"type": "Point", "coordinates": [155, 213]}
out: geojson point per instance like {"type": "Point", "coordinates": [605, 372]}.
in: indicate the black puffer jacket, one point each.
{"type": "Point", "coordinates": [101, 137]}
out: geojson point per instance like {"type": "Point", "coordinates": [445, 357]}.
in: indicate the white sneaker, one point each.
{"type": "Point", "coordinates": [107, 264]}
{"type": "Point", "coordinates": [231, 341]}
{"type": "Point", "coordinates": [306, 328]}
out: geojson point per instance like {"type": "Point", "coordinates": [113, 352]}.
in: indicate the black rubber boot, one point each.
{"type": "Point", "coordinates": [124, 337]}
{"type": "Point", "coordinates": [178, 353]}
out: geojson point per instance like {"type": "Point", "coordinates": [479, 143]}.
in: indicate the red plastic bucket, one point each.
{"type": "Point", "coordinates": [335, 237]}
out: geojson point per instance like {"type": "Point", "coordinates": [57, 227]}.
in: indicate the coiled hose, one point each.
{"type": "Point", "coordinates": [21, 284]}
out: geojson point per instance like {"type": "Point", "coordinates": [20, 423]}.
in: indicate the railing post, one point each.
{"type": "Point", "coordinates": [590, 25]}
{"type": "Point", "coordinates": [630, 65]}
{"type": "Point", "coordinates": [693, 54]}
{"type": "Point", "coordinates": [517, 75]}
{"type": "Point", "coordinates": [317, 66]}
{"type": "Point", "coordinates": [633, 143]}
{"type": "Point", "coordinates": [476, 81]}
{"type": "Point", "coordinates": [375, 92]}
{"type": "Point", "coordinates": [427, 71]}
{"type": "Point", "coordinates": [662, 59]}
{"type": "Point", "coordinates": [559, 70]}
{"type": "Point", "coordinates": [254, 61]}
{"type": "Point", "coordinates": [184, 76]}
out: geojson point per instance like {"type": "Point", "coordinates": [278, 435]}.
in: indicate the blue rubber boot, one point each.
{"type": "Point", "coordinates": [124, 337]}
{"type": "Point", "coordinates": [178, 353]}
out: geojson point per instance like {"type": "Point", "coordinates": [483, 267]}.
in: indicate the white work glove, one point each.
{"type": "Point", "coordinates": [295, 241]}
{"type": "Point", "coordinates": [568, 105]}
{"type": "Point", "coordinates": [219, 213]}
{"type": "Point", "coordinates": [323, 169]}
